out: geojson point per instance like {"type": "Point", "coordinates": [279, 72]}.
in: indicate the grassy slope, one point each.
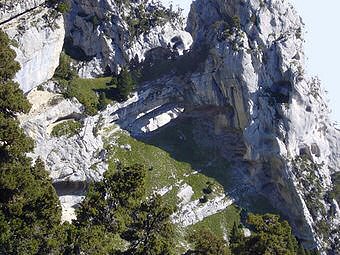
{"type": "Point", "coordinates": [173, 162]}
{"type": "Point", "coordinates": [221, 222]}
{"type": "Point", "coordinates": [85, 90]}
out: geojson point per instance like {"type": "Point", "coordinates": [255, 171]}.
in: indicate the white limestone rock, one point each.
{"type": "Point", "coordinates": [98, 37]}
{"type": "Point", "coordinates": [194, 211]}
{"type": "Point", "coordinates": [11, 8]}
{"type": "Point", "coordinates": [38, 40]}
{"type": "Point", "coordinates": [68, 204]}
{"type": "Point", "coordinates": [160, 36]}
{"type": "Point", "coordinates": [279, 108]}
{"type": "Point", "coordinates": [185, 193]}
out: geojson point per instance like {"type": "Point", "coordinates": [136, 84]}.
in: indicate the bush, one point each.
{"type": "Point", "coordinates": [236, 22]}
{"type": "Point", "coordinates": [206, 242]}
{"type": "Point", "coordinates": [60, 5]}
{"type": "Point", "coordinates": [209, 189]}
{"type": "Point", "coordinates": [204, 199]}
{"type": "Point", "coordinates": [335, 193]}
{"type": "Point", "coordinates": [63, 7]}
{"type": "Point", "coordinates": [65, 71]}
{"type": "Point", "coordinates": [146, 16]}
{"type": "Point", "coordinates": [40, 87]}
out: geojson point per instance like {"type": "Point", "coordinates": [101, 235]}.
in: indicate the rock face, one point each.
{"type": "Point", "coordinates": [256, 63]}
{"type": "Point", "coordinates": [99, 36]}
{"type": "Point", "coordinates": [67, 157]}
{"type": "Point", "coordinates": [37, 37]}
{"type": "Point", "coordinates": [13, 8]}
{"type": "Point", "coordinates": [243, 81]}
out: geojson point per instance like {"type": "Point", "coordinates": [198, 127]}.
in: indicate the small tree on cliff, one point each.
{"type": "Point", "coordinates": [125, 84]}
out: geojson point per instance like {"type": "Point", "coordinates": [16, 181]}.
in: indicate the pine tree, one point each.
{"type": "Point", "coordinates": [151, 232]}
{"type": "Point", "coordinates": [109, 201]}
{"type": "Point", "coordinates": [13, 100]}
{"type": "Point", "coordinates": [270, 236]}
{"type": "Point", "coordinates": [125, 84]}
{"type": "Point", "coordinates": [29, 207]}
{"type": "Point", "coordinates": [235, 235]}
{"type": "Point", "coordinates": [8, 67]}
{"type": "Point", "coordinates": [107, 209]}
{"type": "Point", "coordinates": [207, 243]}
{"type": "Point", "coordinates": [102, 101]}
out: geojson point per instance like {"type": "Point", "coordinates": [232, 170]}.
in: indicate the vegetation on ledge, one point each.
{"type": "Point", "coordinates": [96, 93]}
{"type": "Point", "coordinates": [61, 6]}
{"type": "Point", "coordinates": [67, 128]}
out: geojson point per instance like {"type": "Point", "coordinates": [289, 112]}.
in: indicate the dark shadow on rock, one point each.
{"type": "Point", "coordinates": [77, 188]}
{"type": "Point", "coordinates": [202, 139]}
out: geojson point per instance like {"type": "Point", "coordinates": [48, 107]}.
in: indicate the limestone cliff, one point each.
{"type": "Point", "coordinates": [257, 65]}
{"type": "Point", "coordinates": [37, 34]}
{"type": "Point", "coordinates": [101, 36]}
{"type": "Point", "coordinates": [242, 84]}
{"type": "Point", "coordinates": [14, 8]}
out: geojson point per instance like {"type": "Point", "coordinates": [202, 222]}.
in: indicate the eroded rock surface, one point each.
{"type": "Point", "coordinates": [37, 37]}
{"type": "Point", "coordinates": [256, 61]}
{"type": "Point", "coordinates": [13, 8]}
{"type": "Point", "coordinates": [99, 36]}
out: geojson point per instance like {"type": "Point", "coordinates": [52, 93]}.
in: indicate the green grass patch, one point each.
{"type": "Point", "coordinates": [173, 159]}
{"type": "Point", "coordinates": [87, 92]}
{"type": "Point", "coordinates": [179, 141]}
{"type": "Point", "coordinates": [67, 128]}
{"type": "Point", "coordinates": [164, 171]}
{"type": "Point", "coordinates": [219, 223]}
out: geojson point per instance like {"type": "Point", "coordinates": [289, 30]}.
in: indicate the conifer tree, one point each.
{"type": "Point", "coordinates": [108, 202]}
{"type": "Point", "coordinates": [151, 231]}
{"type": "Point", "coordinates": [236, 234]}
{"type": "Point", "coordinates": [301, 250]}
{"type": "Point", "coordinates": [107, 208]}
{"type": "Point", "coordinates": [125, 84]}
{"type": "Point", "coordinates": [29, 207]}
{"type": "Point", "coordinates": [270, 236]}
{"type": "Point", "coordinates": [207, 243]}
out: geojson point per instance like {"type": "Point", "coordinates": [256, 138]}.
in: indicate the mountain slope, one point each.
{"type": "Point", "coordinates": [245, 113]}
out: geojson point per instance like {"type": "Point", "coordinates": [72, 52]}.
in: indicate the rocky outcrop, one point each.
{"type": "Point", "coordinates": [257, 64]}
{"type": "Point", "coordinates": [69, 158]}
{"type": "Point", "coordinates": [37, 37]}
{"type": "Point", "coordinates": [99, 36]}
{"type": "Point", "coordinates": [9, 9]}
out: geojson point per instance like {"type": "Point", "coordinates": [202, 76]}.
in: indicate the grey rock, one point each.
{"type": "Point", "coordinates": [105, 44]}
{"type": "Point", "coordinates": [38, 39]}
